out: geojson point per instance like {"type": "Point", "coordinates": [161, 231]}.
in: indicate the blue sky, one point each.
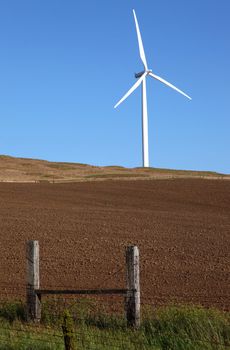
{"type": "Point", "coordinates": [64, 64]}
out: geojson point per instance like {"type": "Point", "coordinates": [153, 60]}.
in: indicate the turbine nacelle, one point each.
{"type": "Point", "coordinates": [138, 75]}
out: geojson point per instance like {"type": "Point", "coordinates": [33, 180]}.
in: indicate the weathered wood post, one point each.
{"type": "Point", "coordinates": [133, 287]}
{"type": "Point", "coordinates": [68, 331]}
{"type": "Point", "coordinates": [33, 311]}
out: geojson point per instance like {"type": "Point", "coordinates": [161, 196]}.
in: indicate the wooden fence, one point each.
{"type": "Point", "coordinates": [131, 293]}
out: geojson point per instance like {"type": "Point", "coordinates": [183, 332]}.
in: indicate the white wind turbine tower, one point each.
{"type": "Point", "coordinates": [142, 80]}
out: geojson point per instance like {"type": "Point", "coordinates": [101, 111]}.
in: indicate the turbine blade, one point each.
{"type": "Point", "coordinates": [169, 84]}
{"type": "Point", "coordinates": [140, 43]}
{"type": "Point", "coordinates": [139, 81]}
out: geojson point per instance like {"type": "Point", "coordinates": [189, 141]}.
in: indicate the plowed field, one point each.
{"type": "Point", "coordinates": [182, 228]}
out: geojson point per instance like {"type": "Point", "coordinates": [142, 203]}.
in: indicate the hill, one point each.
{"type": "Point", "coordinates": [34, 170]}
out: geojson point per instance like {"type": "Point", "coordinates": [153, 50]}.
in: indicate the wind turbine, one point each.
{"type": "Point", "coordinates": [142, 80]}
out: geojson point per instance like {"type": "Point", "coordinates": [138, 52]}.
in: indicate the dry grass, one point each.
{"type": "Point", "coordinates": [31, 170]}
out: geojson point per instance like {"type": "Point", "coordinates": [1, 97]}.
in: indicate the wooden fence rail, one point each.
{"type": "Point", "coordinates": [81, 291]}
{"type": "Point", "coordinates": [131, 293]}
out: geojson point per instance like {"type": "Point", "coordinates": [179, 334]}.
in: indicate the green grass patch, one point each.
{"type": "Point", "coordinates": [166, 328]}
{"type": "Point", "coordinates": [181, 172]}
{"type": "Point", "coordinates": [61, 167]}
{"type": "Point", "coordinates": [65, 165]}
{"type": "Point", "coordinates": [187, 328]}
{"type": "Point", "coordinates": [2, 156]}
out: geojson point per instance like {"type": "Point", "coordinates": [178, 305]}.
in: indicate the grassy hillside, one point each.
{"type": "Point", "coordinates": [30, 170]}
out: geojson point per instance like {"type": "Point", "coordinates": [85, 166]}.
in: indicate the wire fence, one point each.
{"type": "Point", "coordinates": [100, 322]}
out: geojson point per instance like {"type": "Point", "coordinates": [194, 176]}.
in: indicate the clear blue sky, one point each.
{"type": "Point", "coordinates": [64, 64]}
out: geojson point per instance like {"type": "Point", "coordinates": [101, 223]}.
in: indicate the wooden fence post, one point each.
{"type": "Point", "coordinates": [133, 287]}
{"type": "Point", "coordinates": [33, 310]}
{"type": "Point", "coordinates": [68, 332]}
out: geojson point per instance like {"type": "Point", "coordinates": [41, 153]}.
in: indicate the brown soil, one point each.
{"type": "Point", "coordinates": [181, 226]}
